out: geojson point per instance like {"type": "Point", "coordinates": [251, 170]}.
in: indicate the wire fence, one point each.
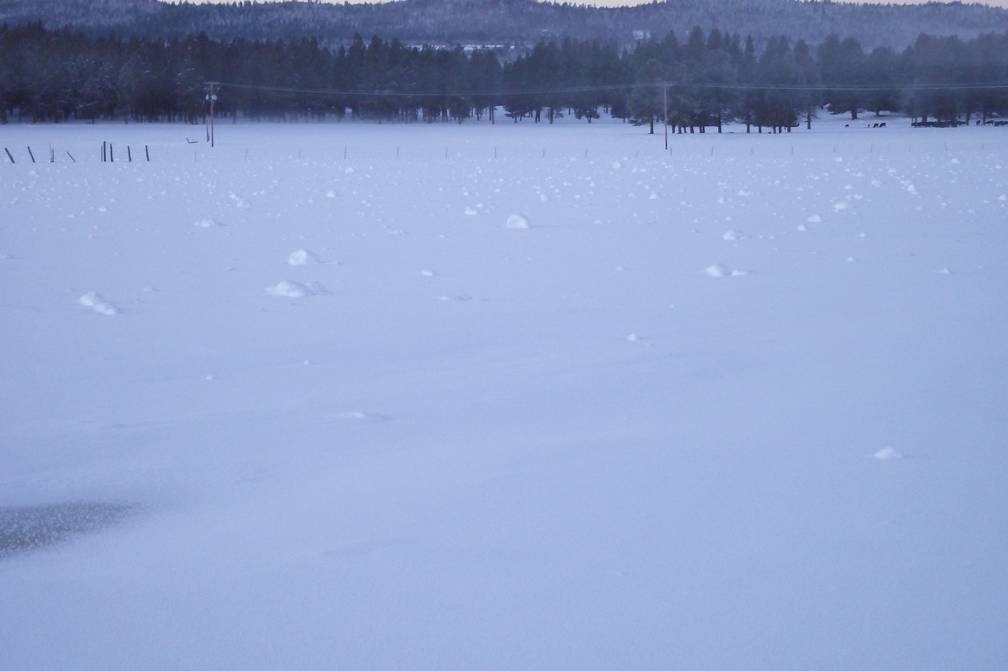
{"type": "Point", "coordinates": [318, 152]}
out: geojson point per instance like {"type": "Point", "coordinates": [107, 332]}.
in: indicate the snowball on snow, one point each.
{"type": "Point", "coordinates": [716, 270]}
{"type": "Point", "coordinates": [302, 257]}
{"type": "Point", "coordinates": [887, 453]}
{"type": "Point", "coordinates": [95, 302]}
{"type": "Point", "coordinates": [290, 289]}
{"type": "Point", "coordinates": [516, 221]}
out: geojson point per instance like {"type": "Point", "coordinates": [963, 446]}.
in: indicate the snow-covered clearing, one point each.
{"type": "Point", "coordinates": [582, 405]}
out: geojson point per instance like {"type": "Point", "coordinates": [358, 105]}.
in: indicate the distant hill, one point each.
{"type": "Point", "coordinates": [510, 21]}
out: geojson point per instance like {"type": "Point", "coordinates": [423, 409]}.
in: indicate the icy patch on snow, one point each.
{"type": "Point", "coordinates": [32, 528]}
{"type": "Point", "coordinates": [888, 453]}
{"type": "Point", "coordinates": [290, 289]}
{"type": "Point", "coordinates": [94, 301]}
{"type": "Point", "coordinates": [302, 257]}
{"type": "Point", "coordinates": [516, 222]}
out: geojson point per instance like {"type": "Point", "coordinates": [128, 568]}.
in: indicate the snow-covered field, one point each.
{"type": "Point", "coordinates": [513, 397]}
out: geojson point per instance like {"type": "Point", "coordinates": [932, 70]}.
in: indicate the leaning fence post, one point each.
{"type": "Point", "coordinates": [111, 152]}
{"type": "Point", "coordinates": [71, 157]}
{"type": "Point", "coordinates": [9, 155]}
{"type": "Point", "coordinates": [129, 153]}
{"type": "Point", "coordinates": [147, 151]}
{"type": "Point", "coordinates": [31, 154]}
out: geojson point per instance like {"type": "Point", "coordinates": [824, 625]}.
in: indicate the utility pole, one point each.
{"type": "Point", "coordinates": [211, 89]}
{"type": "Point", "coordinates": [665, 96]}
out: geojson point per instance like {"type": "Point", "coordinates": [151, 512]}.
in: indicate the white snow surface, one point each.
{"type": "Point", "coordinates": [479, 468]}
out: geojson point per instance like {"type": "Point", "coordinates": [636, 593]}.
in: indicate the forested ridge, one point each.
{"type": "Point", "coordinates": [518, 22]}
{"type": "Point", "coordinates": [709, 77]}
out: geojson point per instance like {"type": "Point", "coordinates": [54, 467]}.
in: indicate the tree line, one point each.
{"type": "Point", "coordinates": [712, 77]}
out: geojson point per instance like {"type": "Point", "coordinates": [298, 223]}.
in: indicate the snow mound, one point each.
{"type": "Point", "coordinates": [239, 202]}
{"type": "Point", "coordinates": [731, 235]}
{"type": "Point", "coordinates": [470, 212]}
{"type": "Point", "coordinates": [888, 453]}
{"type": "Point", "coordinates": [290, 289]}
{"type": "Point", "coordinates": [94, 301]}
{"type": "Point", "coordinates": [516, 222]}
{"type": "Point", "coordinates": [944, 271]}
{"type": "Point", "coordinates": [814, 219]}
{"type": "Point", "coordinates": [1003, 197]}
{"type": "Point", "coordinates": [207, 222]}
{"type": "Point", "coordinates": [302, 257]}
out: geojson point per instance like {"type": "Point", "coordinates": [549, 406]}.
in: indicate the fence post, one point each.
{"type": "Point", "coordinates": [71, 157]}
{"type": "Point", "coordinates": [31, 154]}
{"type": "Point", "coordinates": [147, 151]}
{"type": "Point", "coordinates": [9, 155]}
{"type": "Point", "coordinates": [129, 153]}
